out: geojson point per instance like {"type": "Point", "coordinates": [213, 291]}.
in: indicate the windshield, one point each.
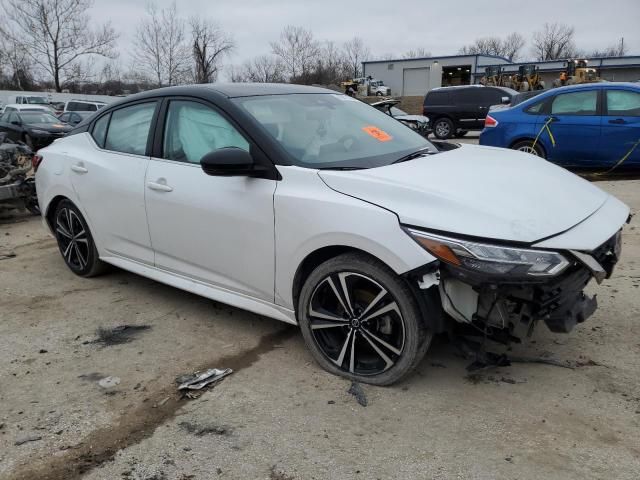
{"type": "Point", "coordinates": [333, 131]}
{"type": "Point", "coordinates": [38, 117]}
{"type": "Point", "coordinates": [36, 101]}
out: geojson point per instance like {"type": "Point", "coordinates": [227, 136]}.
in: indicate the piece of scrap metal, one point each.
{"type": "Point", "coordinates": [199, 380]}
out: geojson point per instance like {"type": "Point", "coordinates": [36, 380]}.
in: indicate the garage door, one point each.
{"type": "Point", "coordinates": [415, 81]}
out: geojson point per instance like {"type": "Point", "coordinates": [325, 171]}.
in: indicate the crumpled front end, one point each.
{"type": "Point", "coordinates": [507, 308]}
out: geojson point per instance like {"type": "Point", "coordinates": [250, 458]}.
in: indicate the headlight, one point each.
{"type": "Point", "coordinates": [39, 132]}
{"type": "Point", "coordinates": [491, 259]}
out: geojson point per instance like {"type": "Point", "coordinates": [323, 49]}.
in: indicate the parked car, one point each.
{"type": "Point", "coordinates": [519, 98]}
{"type": "Point", "coordinates": [30, 100]}
{"type": "Point", "coordinates": [15, 107]}
{"type": "Point", "coordinates": [593, 125]}
{"type": "Point", "coordinates": [454, 111]}
{"type": "Point", "coordinates": [419, 123]}
{"type": "Point", "coordinates": [312, 208]}
{"type": "Point", "coordinates": [35, 128]}
{"type": "Point", "coordinates": [74, 118]}
{"type": "Point", "coordinates": [83, 106]}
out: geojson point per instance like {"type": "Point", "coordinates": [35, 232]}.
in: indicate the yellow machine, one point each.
{"type": "Point", "coordinates": [527, 79]}
{"type": "Point", "coordinates": [493, 77]}
{"type": "Point", "coordinates": [576, 71]}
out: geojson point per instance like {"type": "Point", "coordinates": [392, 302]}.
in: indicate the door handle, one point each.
{"type": "Point", "coordinates": [79, 168]}
{"type": "Point", "coordinates": [618, 121]}
{"type": "Point", "coordinates": [159, 187]}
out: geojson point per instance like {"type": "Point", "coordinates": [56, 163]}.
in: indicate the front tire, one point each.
{"type": "Point", "coordinates": [527, 146]}
{"type": "Point", "coordinates": [361, 321]}
{"type": "Point", "coordinates": [75, 241]}
{"type": "Point", "coordinates": [443, 128]}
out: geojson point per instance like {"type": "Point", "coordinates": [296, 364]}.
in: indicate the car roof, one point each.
{"type": "Point", "coordinates": [21, 107]}
{"type": "Point", "coordinates": [231, 90]}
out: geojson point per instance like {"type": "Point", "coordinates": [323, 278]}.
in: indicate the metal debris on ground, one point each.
{"type": "Point", "coordinates": [118, 335]}
{"type": "Point", "coordinates": [199, 380]}
{"type": "Point", "coordinates": [17, 185]}
{"type": "Point", "coordinates": [27, 439]}
{"type": "Point", "coordinates": [109, 382]}
{"type": "Point", "coordinates": [356, 390]}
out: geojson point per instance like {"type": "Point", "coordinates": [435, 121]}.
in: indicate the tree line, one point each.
{"type": "Point", "coordinates": [54, 44]}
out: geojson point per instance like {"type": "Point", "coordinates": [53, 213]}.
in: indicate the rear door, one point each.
{"type": "Point", "coordinates": [621, 127]}
{"type": "Point", "coordinates": [469, 107]}
{"type": "Point", "coordinates": [575, 125]}
{"type": "Point", "coordinates": [108, 177]}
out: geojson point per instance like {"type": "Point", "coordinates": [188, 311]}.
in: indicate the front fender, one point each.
{"type": "Point", "coordinates": [310, 216]}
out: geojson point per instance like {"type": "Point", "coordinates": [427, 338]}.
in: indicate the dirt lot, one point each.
{"type": "Point", "coordinates": [279, 416]}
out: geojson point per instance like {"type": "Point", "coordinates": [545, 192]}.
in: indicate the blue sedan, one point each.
{"type": "Point", "coordinates": [588, 126]}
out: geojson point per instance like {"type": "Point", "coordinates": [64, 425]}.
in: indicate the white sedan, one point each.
{"type": "Point", "coordinates": [313, 208]}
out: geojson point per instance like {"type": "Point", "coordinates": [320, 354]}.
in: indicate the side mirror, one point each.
{"type": "Point", "coordinates": [506, 100]}
{"type": "Point", "coordinates": [229, 162]}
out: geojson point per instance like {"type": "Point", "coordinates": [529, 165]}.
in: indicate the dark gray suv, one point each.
{"type": "Point", "coordinates": [453, 111]}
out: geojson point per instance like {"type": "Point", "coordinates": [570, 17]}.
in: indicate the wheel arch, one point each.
{"type": "Point", "coordinates": [529, 139]}
{"type": "Point", "coordinates": [316, 258]}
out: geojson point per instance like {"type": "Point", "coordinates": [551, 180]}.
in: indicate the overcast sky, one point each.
{"type": "Point", "coordinates": [391, 26]}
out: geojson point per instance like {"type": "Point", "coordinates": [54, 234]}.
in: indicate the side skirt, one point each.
{"type": "Point", "coordinates": [218, 294]}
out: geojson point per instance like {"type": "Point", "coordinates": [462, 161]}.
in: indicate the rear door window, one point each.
{"type": "Point", "coordinates": [437, 98]}
{"type": "Point", "coordinates": [129, 128]}
{"type": "Point", "coordinates": [623, 103]}
{"type": "Point", "coordinates": [575, 103]}
{"type": "Point", "coordinates": [99, 132]}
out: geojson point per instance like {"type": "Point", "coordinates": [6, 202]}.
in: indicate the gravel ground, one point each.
{"type": "Point", "coordinates": [278, 416]}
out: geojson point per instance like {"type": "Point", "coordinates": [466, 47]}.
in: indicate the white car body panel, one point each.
{"type": "Point", "coordinates": [592, 232]}
{"type": "Point", "coordinates": [113, 201]}
{"type": "Point", "coordinates": [218, 230]}
{"type": "Point", "coordinates": [310, 216]}
{"type": "Point", "coordinates": [477, 191]}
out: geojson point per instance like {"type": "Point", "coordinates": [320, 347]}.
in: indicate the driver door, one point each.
{"type": "Point", "coordinates": [218, 230]}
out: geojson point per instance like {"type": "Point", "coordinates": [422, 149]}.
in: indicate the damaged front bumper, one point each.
{"type": "Point", "coordinates": [509, 311]}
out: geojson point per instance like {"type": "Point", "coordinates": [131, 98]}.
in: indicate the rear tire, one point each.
{"type": "Point", "coordinates": [443, 128]}
{"type": "Point", "coordinates": [527, 146]}
{"type": "Point", "coordinates": [75, 241]}
{"type": "Point", "coordinates": [361, 321]}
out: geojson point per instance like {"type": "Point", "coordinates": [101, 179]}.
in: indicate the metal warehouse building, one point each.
{"type": "Point", "coordinates": [416, 76]}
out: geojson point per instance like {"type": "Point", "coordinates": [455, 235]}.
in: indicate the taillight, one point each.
{"type": "Point", "coordinates": [489, 122]}
{"type": "Point", "coordinates": [36, 160]}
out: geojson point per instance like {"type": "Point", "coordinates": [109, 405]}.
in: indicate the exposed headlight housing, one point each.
{"type": "Point", "coordinates": [491, 259]}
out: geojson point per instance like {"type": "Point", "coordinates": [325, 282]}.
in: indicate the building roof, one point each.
{"type": "Point", "coordinates": [436, 58]}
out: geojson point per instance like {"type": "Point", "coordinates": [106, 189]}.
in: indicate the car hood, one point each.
{"type": "Point", "coordinates": [478, 191]}
{"type": "Point", "coordinates": [50, 127]}
{"type": "Point", "coordinates": [412, 118]}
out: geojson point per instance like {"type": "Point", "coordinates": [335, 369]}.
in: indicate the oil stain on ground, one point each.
{"type": "Point", "coordinates": [137, 424]}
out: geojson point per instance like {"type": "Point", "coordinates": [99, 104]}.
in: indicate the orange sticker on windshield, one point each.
{"type": "Point", "coordinates": [376, 133]}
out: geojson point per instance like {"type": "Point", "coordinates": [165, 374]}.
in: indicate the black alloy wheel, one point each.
{"type": "Point", "coordinates": [75, 241]}
{"type": "Point", "coordinates": [361, 321]}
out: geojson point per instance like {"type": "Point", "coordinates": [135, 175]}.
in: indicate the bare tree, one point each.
{"type": "Point", "coordinates": [160, 46]}
{"type": "Point", "coordinates": [209, 45]}
{"type": "Point", "coordinates": [554, 42]}
{"type": "Point", "coordinates": [419, 52]}
{"type": "Point", "coordinates": [261, 69]}
{"type": "Point", "coordinates": [617, 50]}
{"type": "Point", "coordinates": [356, 52]}
{"type": "Point", "coordinates": [297, 49]}
{"type": "Point", "coordinates": [56, 33]}
{"type": "Point", "coordinates": [508, 47]}
{"type": "Point", "coordinates": [15, 58]}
